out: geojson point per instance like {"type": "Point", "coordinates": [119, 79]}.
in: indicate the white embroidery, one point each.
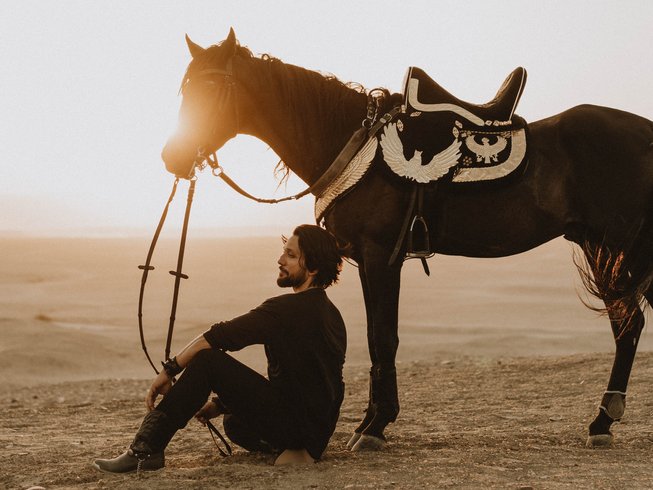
{"type": "Point", "coordinates": [393, 153]}
{"type": "Point", "coordinates": [485, 152]}
{"type": "Point", "coordinates": [353, 172]}
{"type": "Point", "coordinates": [517, 153]}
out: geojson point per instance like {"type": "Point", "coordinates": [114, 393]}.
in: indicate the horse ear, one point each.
{"type": "Point", "coordinates": [195, 49]}
{"type": "Point", "coordinates": [229, 44]}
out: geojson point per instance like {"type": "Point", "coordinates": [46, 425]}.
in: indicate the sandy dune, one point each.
{"type": "Point", "coordinates": [68, 306]}
{"type": "Point", "coordinates": [501, 368]}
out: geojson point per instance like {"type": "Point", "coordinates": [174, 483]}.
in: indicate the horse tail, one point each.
{"type": "Point", "coordinates": [619, 274]}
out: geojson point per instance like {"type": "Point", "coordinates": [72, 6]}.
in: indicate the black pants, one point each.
{"type": "Point", "coordinates": [258, 410]}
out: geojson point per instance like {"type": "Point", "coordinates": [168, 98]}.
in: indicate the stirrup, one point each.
{"type": "Point", "coordinates": [421, 232]}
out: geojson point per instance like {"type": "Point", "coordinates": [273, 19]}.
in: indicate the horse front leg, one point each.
{"type": "Point", "coordinates": [613, 402]}
{"type": "Point", "coordinates": [381, 293]}
{"type": "Point", "coordinates": [369, 411]}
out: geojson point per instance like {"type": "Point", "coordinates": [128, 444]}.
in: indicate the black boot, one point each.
{"type": "Point", "coordinates": [128, 462]}
{"type": "Point", "coordinates": [146, 452]}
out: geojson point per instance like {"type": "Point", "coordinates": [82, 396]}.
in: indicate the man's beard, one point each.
{"type": "Point", "coordinates": [292, 281]}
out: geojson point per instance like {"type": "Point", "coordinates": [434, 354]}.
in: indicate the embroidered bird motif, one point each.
{"type": "Point", "coordinates": [486, 152]}
{"type": "Point", "coordinates": [393, 153]}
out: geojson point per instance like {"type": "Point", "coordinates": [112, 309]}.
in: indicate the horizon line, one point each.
{"type": "Point", "coordinates": [140, 232]}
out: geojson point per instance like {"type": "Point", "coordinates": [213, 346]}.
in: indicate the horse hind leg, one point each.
{"type": "Point", "coordinates": [622, 297]}
{"type": "Point", "coordinates": [626, 333]}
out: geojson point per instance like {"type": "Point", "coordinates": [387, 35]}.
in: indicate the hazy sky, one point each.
{"type": "Point", "coordinates": [89, 88]}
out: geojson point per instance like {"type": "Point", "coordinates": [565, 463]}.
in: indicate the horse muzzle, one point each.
{"type": "Point", "coordinates": [179, 159]}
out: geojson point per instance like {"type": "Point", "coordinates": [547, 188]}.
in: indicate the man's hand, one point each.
{"type": "Point", "coordinates": [160, 386]}
{"type": "Point", "coordinates": [207, 412]}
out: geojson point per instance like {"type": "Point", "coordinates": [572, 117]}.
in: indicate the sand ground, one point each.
{"type": "Point", "coordinates": [500, 366]}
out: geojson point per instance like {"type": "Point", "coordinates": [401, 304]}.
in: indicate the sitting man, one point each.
{"type": "Point", "coordinates": [294, 411]}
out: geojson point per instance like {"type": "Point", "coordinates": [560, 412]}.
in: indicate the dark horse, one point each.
{"type": "Point", "coordinates": [589, 177]}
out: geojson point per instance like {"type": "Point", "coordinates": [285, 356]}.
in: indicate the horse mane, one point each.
{"type": "Point", "coordinates": [300, 87]}
{"type": "Point", "coordinates": [305, 85]}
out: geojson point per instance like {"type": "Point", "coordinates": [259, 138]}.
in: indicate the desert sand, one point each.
{"type": "Point", "coordinates": [501, 368]}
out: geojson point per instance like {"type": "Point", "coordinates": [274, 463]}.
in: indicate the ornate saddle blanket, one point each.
{"type": "Point", "coordinates": [436, 135]}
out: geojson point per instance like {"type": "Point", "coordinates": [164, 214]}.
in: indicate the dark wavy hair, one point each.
{"type": "Point", "coordinates": [321, 252]}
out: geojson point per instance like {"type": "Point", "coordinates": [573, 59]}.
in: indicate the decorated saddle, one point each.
{"type": "Point", "coordinates": [437, 136]}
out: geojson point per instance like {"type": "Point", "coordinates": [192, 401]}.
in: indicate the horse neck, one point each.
{"type": "Point", "coordinates": [303, 116]}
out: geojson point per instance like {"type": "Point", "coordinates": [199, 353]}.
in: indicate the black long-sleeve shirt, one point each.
{"type": "Point", "coordinates": [305, 342]}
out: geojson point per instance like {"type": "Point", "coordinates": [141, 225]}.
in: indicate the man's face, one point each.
{"type": "Point", "coordinates": [291, 269]}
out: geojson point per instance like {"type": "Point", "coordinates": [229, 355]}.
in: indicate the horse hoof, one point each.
{"type": "Point", "coordinates": [600, 441]}
{"type": "Point", "coordinates": [368, 443]}
{"type": "Point", "coordinates": [353, 440]}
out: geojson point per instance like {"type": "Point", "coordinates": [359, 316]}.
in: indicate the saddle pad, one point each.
{"type": "Point", "coordinates": [426, 142]}
{"type": "Point", "coordinates": [437, 149]}
{"type": "Point", "coordinates": [425, 147]}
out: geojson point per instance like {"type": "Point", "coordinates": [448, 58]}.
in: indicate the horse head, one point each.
{"type": "Point", "coordinates": [305, 117]}
{"type": "Point", "coordinates": [209, 113]}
